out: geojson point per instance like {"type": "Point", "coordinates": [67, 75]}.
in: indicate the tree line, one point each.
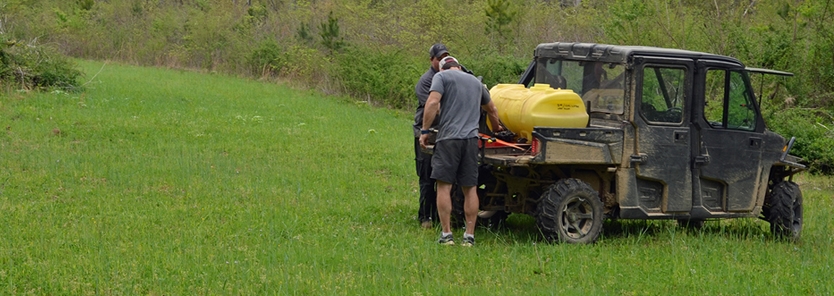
{"type": "Point", "coordinates": [376, 49]}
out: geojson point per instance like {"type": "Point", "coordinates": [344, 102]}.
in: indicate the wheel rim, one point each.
{"type": "Point", "coordinates": [577, 217]}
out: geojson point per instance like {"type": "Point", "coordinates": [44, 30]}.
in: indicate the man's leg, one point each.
{"type": "Point", "coordinates": [427, 210]}
{"type": "Point", "coordinates": [470, 207]}
{"type": "Point", "coordinates": [444, 205]}
{"type": "Point", "coordinates": [468, 179]}
{"type": "Point", "coordinates": [428, 196]}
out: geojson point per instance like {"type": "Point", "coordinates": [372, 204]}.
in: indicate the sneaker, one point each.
{"type": "Point", "coordinates": [448, 240]}
{"type": "Point", "coordinates": [468, 241]}
{"type": "Point", "coordinates": [426, 224]}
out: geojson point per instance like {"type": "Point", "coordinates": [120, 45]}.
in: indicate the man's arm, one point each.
{"type": "Point", "coordinates": [492, 115]}
{"type": "Point", "coordinates": [432, 106]}
{"type": "Point", "coordinates": [422, 89]}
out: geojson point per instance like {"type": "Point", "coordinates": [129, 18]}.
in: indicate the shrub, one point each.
{"type": "Point", "coordinates": [85, 4]}
{"type": "Point", "coordinates": [267, 60]}
{"type": "Point", "coordinates": [814, 136]}
{"type": "Point", "coordinates": [32, 66]}
{"type": "Point", "coordinates": [496, 68]}
{"type": "Point", "coordinates": [384, 77]}
{"type": "Point", "coordinates": [306, 65]}
{"type": "Point", "coordinates": [387, 77]}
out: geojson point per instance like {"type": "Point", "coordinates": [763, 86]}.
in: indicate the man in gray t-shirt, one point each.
{"type": "Point", "coordinates": [459, 97]}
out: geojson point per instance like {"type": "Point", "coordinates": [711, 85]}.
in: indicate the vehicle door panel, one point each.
{"type": "Point", "coordinates": [731, 139]}
{"type": "Point", "coordinates": [663, 149]}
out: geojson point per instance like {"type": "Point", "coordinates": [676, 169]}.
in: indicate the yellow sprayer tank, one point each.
{"type": "Point", "coordinates": [521, 109]}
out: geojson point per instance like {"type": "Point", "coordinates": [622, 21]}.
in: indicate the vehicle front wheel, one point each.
{"type": "Point", "coordinates": [570, 211]}
{"type": "Point", "coordinates": [783, 209]}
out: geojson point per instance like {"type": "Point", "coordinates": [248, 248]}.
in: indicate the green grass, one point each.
{"type": "Point", "coordinates": [168, 182]}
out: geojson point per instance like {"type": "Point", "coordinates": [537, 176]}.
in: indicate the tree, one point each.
{"type": "Point", "coordinates": [329, 32]}
{"type": "Point", "coordinates": [500, 14]}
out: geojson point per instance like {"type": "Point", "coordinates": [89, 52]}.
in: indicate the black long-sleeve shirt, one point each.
{"type": "Point", "coordinates": [422, 91]}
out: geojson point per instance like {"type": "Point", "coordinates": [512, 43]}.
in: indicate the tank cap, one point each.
{"type": "Point", "coordinates": [541, 87]}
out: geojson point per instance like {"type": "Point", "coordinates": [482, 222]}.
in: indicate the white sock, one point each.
{"type": "Point", "coordinates": [445, 233]}
{"type": "Point", "coordinates": [465, 235]}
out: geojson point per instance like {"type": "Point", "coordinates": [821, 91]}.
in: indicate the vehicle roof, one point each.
{"type": "Point", "coordinates": [619, 53]}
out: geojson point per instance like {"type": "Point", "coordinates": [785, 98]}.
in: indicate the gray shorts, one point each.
{"type": "Point", "coordinates": [455, 161]}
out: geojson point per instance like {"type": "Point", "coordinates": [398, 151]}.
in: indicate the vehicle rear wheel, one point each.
{"type": "Point", "coordinates": [783, 209]}
{"type": "Point", "coordinates": [570, 211]}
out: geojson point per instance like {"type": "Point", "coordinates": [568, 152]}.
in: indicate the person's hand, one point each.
{"type": "Point", "coordinates": [424, 140]}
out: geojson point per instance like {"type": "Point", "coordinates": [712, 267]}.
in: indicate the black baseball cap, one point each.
{"type": "Point", "coordinates": [437, 50]}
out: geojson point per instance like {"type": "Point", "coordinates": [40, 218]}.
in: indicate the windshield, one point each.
{"type": "Point", "coordinates": [599, 84]}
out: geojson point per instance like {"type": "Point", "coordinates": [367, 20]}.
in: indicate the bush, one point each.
{"type": "Point", "coordinates": [384, 77]}
{"type": "Point", "coordinates": [306, 65]}
{"type": "Point", "coordinates": [267, 60]}
{"type": "Point", "coordinates": [814, 136]}
{"type": "Point", "coordinates": [31, 66]}
{"type": "Point", "coordinates": [496, 68]}
{"type": "Point", "coordinates": [387, 77]}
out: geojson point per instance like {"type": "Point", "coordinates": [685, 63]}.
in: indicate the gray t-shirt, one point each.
{"type": "Point", "coordinates": [461, 98]}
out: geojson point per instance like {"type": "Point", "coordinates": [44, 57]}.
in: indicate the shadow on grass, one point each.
{"type": "Point", "coordinates": [742, 229]}
{"type": "Point", "coordinates": [521, 229]}
{"type": "Point", "coordinates": [632, 228]}
{"type": "Point", "coordinates": [733, 229]}
{"type": "Point", "coordinates": [517, 229]}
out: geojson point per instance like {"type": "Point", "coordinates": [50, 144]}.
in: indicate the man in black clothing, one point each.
{"type": "Point", "coordinates": [428, 196]}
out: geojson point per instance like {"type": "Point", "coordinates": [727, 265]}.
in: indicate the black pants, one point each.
{"type": "Point", "coordinates": [428, 194]}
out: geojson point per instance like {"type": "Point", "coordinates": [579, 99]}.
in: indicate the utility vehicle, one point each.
{"type": "Point", "coordinates": [660, 134]}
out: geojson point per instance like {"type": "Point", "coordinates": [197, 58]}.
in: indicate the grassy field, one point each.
{"type": "Point", "coordinates": [167, 182]}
